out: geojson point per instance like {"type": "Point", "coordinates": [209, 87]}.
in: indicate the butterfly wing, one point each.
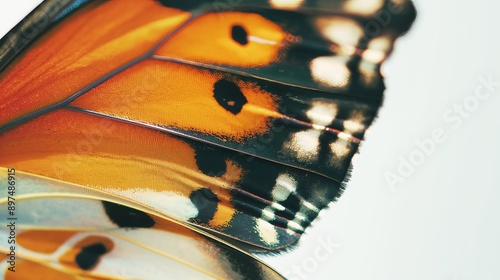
{"type": "Point", "coordinates": [237, 118]}
{"type": "Point", "coordinates": [67, 231]}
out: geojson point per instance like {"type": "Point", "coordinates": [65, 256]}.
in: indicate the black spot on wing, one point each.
{"type": "Point", "coordinates": [124, 216]}
{"type": "Point", "coordinates": [185, 5]}
{"type": "Point", "coordinates": [89, 255]}
{"type": "Point", "coordinates": [229, 96]}
{"type": "Point", "coordinates": [239, 34]}
{"type": "Point", "coordinates": [210, 162]}
{"type": "Point", "coordinates": [206, 202]}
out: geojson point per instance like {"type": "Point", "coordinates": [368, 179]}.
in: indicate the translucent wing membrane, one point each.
{"type": "Point", "coordinates": [237, 118]}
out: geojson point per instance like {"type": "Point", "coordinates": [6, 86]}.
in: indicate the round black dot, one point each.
{"type": "Point", "coordinates": [210, 162]}
{"type": "Point", "coordinates": [185, 5]}
{"type": "Point", "coordinates": [229, 96]}
{"type": "Point", "coordinates": [239, 34]}
{"type": "Point", "coordinates": [89, 255]}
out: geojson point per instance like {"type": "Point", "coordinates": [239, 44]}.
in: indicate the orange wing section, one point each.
{"type": "Point", "coordinates": [229, 38]}
{"type": "Point", "coordinates": [57, 66]}
{"type": "Point", "coordinates": [41, 242]}
{"type": "Point", "coordinates": [98, 147]}
{"type": "Point", "coordinates": [158, 92]}
{"type": "Point", "coordinates": [111, 155]}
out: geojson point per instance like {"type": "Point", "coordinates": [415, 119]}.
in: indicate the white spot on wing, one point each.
{"type": "Point", "coordinates": [267, 232]}
{"type": "Point", "coordinates": [322, 113]}
{"type": "Point", "coordinates": [310, 206]}
{"type": "Point", "coordinates": [295, 226]}
{"type": "Point", "coordinates": [286, 4]}
{"type": "Point", "coordinates": [285, 185]}
{"type": "Point", "coordinates": [369, 73]}
{"type": "Point", "coordinates": [373, 56]}
{"type": "Point", "coordinates": [377, 49]}
{"type": "Point", "coordinates": [168, 202]}
{"type": "Point", "coordinates": [277, 206]}
{"type": "Point", "coordinates": [268, 214]}
{"type": "Point", "coordinates": [363, 7]}
{"type": "Point", "coordinates": [300, 217]}
{"type": "Point", "coordinates": [330, 71]}
{"type": "Point", "coordinates": [353, 126]}
{"type": "Point", "coordinates": [304, 144]}
{"type": "Point", "coordinates": [344, 136]}
{"type": "Point", "coordinates": [339, 148]}
{"type": "Point", "coordinates": [341, 31]}
{"type": "Point", "coordinates": [356, 121]}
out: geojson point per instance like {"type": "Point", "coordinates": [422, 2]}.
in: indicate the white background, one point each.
{"type": "Point", "coordinates": [443, 221]}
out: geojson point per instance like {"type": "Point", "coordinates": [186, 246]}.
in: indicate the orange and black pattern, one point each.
{"type": "Point", "coordinates": [74, 232]}
{"type": "Point", "coordinates": [234, 119]}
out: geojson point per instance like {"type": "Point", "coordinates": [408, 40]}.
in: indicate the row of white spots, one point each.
{"type": "Point", "coordinates": [285, 186]}
{"type": "Point", "coordinates": [332, 71]}
{"type": "Point", "coordinates": [304, 145]}
{"type": "Point", "coordinates": [345, 34]}
{"type": "Point", "coordinates": [322, 114]}
{"type": "Point", "coordinates": [295, 224]}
